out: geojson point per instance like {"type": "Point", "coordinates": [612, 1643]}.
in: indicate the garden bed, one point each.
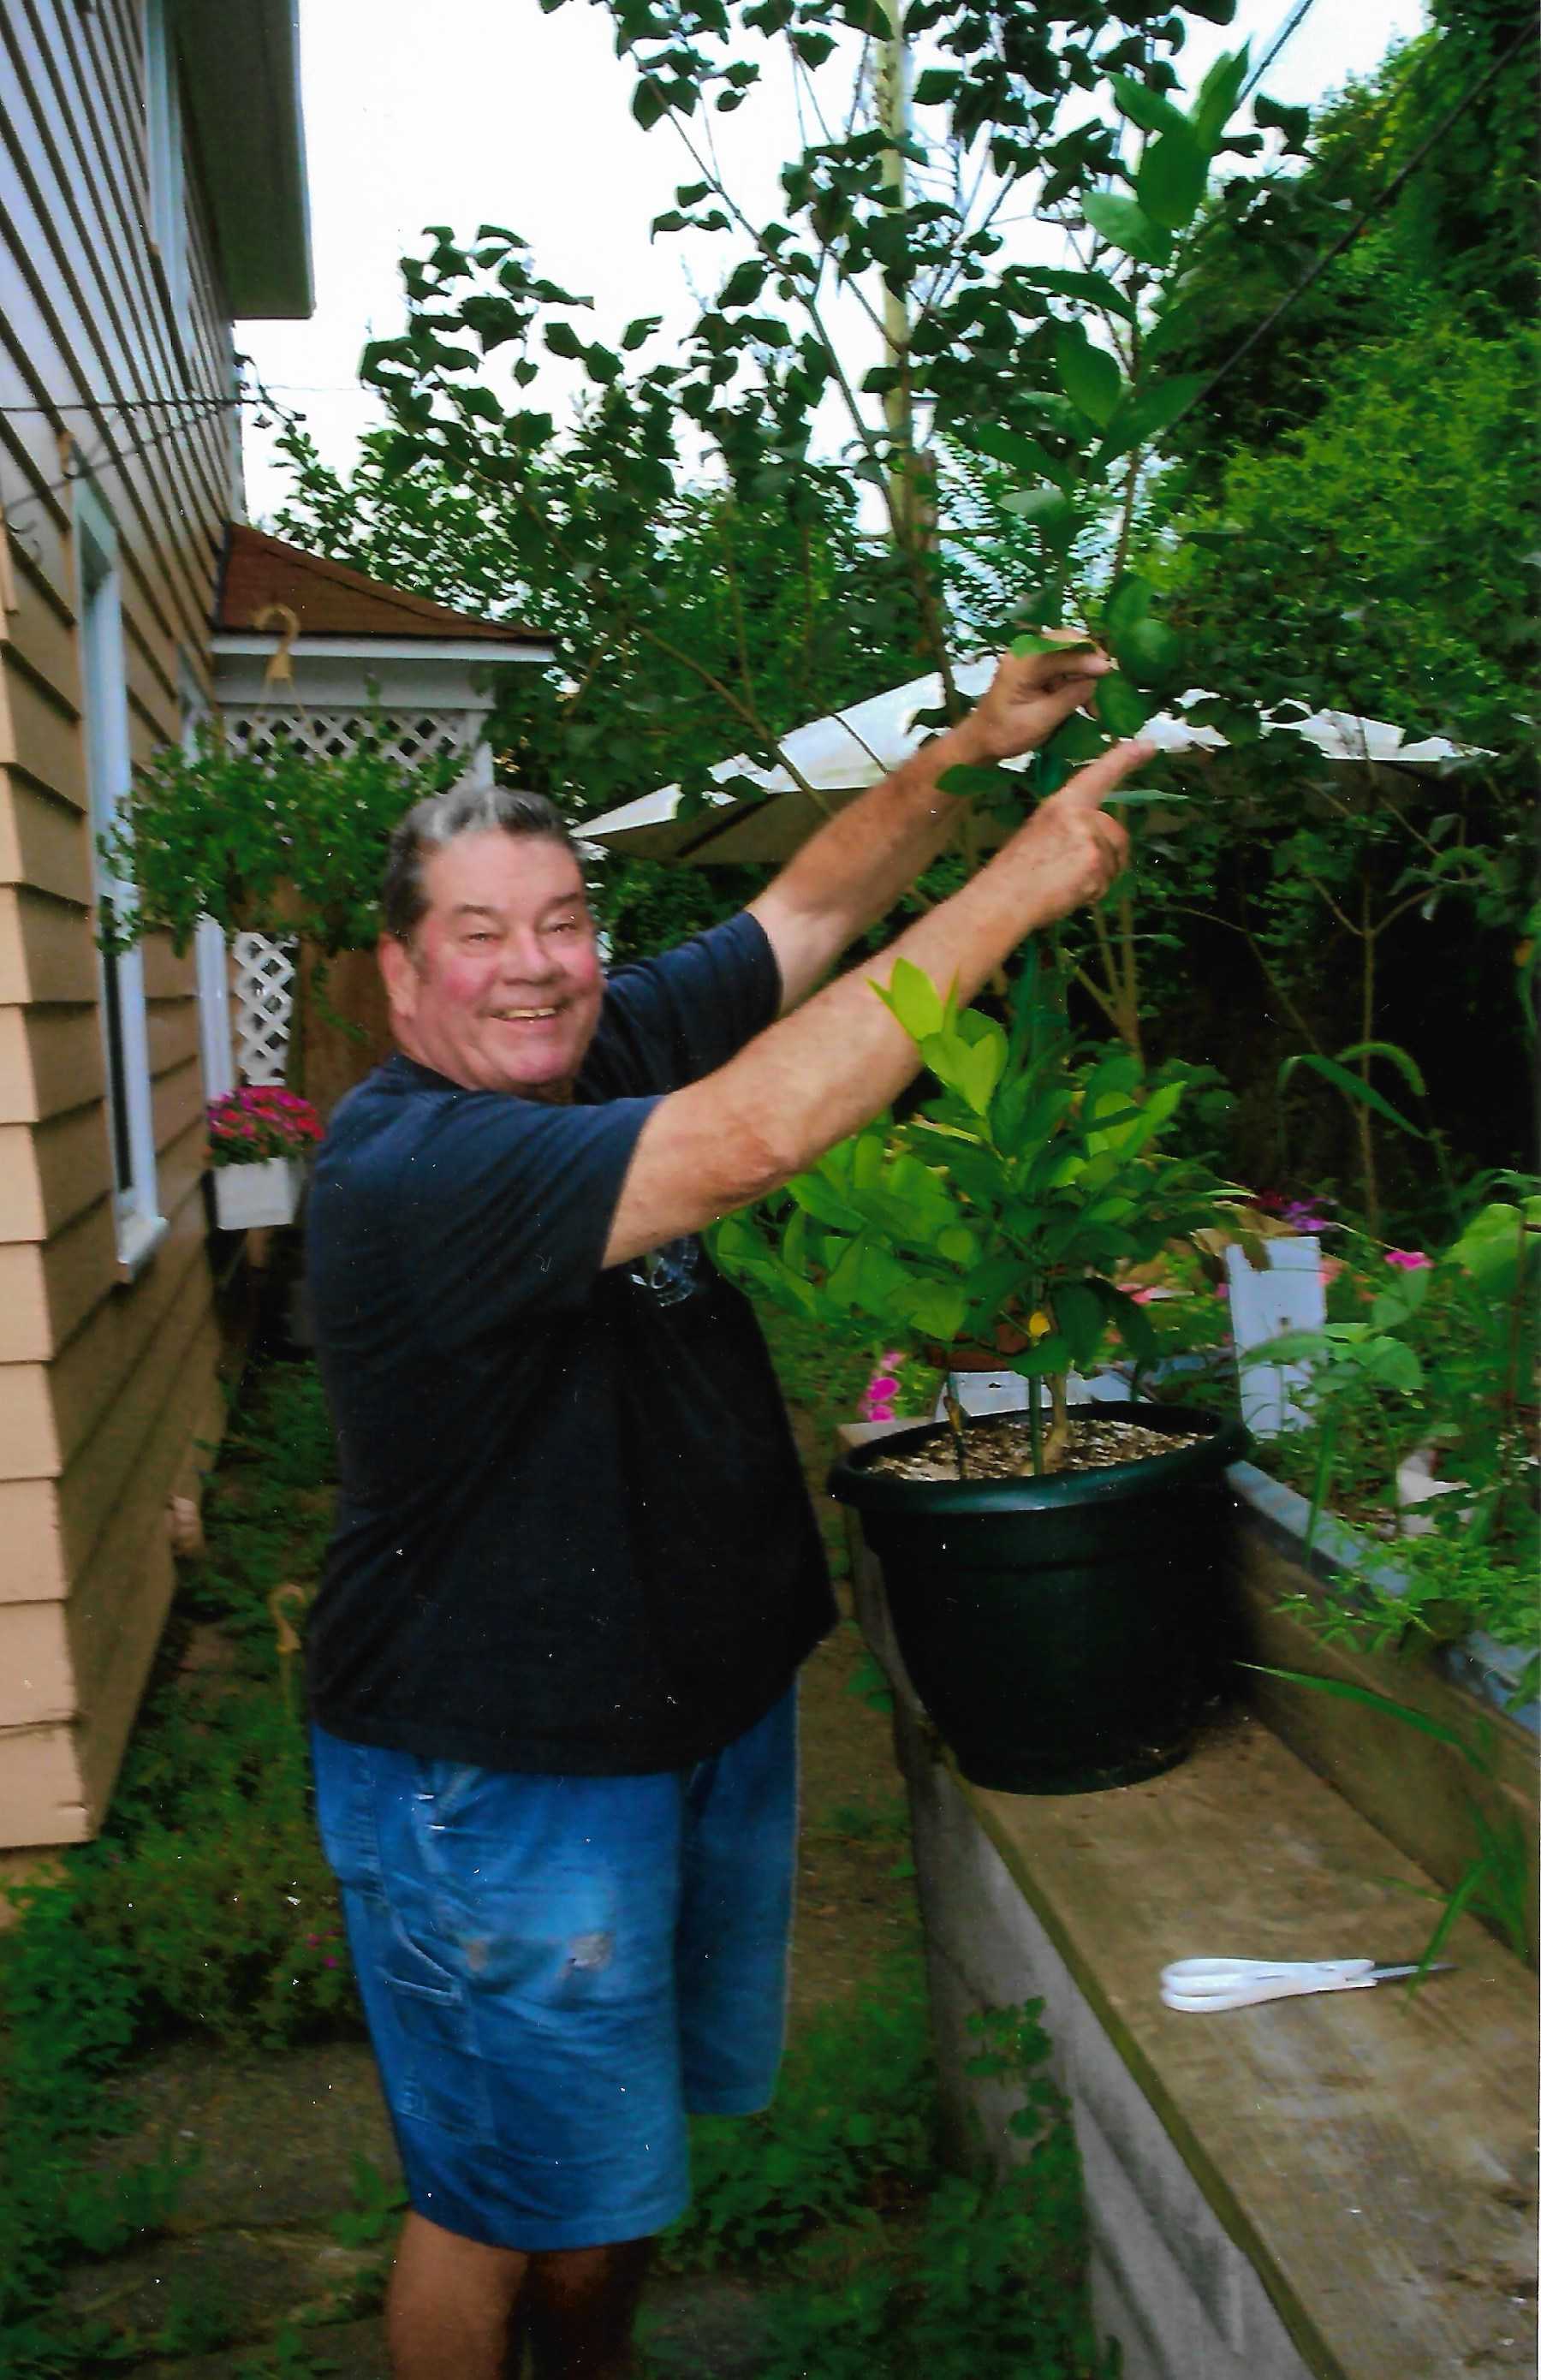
{"type": "Point", "coordinates": [1412, 1787]}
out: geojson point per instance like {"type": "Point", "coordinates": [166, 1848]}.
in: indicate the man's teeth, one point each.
{"type": "Point", "coordinates": [521, 1015]}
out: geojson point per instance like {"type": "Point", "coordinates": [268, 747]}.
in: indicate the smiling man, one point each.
{"type": "Point", "coordinates": [575, 1569]}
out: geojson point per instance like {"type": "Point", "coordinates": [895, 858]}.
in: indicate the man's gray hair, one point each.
{"type": "Point", "coordinates": [441, 819]}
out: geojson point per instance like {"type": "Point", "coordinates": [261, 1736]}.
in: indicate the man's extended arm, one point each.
{"type": "Point", "coordinates": [852, 871]}
{"type": "Point", "coordinates": [814, 1076]}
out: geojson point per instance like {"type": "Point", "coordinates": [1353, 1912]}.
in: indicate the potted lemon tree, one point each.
{"type": "Point", "coordinates": [1054, 1578]}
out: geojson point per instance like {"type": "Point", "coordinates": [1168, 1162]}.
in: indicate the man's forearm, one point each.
{"type": "Point", "coordinates": [860, 862]}
{"type": "Point", "coordinates": [830, 1067]}
{"type": "Point", "coordinates": [826, 1070]}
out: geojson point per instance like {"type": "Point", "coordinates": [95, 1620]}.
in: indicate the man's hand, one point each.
{"type": "Point", "coordinates": [1028, 699]}
{"type": "Point", "coordinates": [1072, 846]}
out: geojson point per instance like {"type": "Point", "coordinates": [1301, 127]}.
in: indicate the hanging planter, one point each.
{"type": "Point", "coordinates": [247, 1197]}
{"type": "Point", "coordinates": [259, 1138]}
{"type": "Point", "coordinates": [1061, 1630]}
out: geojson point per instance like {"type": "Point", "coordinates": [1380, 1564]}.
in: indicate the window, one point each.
{"type": "Point", "coordinates": [215, 1047]}
{"type": "Point", "coordinates": [131, 1127]}
{"type": "Point", "coordinates": [169, 207]}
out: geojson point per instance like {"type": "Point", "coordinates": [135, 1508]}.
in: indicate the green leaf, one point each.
{"type": "Point", "coordinates": [637, 334]}
{"type": "Point", "coordinates": [972, 783]}
{"type": "Point", "coordinates": [649, 102]}
{"type": "Point", "coordinates": [1044, 509]}
{"type": "Point", "coordinates": [1406, 1066]}
{"type": "Point", "coordinates": [1147, 108]}
{"type": "Point", "coordinates": [1133, 795]}
{"type": "Point", "coordinates": [1077, 741]}
{"type": "Point", "coordinates": [1130, 601]}
{"type": "Point", "coordinates": [563, 340]}
{"type": "Point", "coordinates": [936, 87]}
{"type": "Point", "coordinates": [1369, 1700]}
{"type": "Point", "coordinates": [1021, 454]}
{"type": "Point", "coordinates": [1125, 225]}
{"type": "Point", "coordinates": [1147, 414]}
{"type": "Point", "coordinates": [1293, 123]}
{"type": "Point", "coordinates": [1218, 94]}
{"type": "Point", "coordinates": [1171, 180]}
{"type": "Point", "coordinates": [1120, 706]}
{"type": "Point", "coordinates": [744, 284]}
{"type": "Point", "coordinates": [1089, 288]}
{"type": "Point", "coordinates": [913, 1000]}
{"type": "Point", "coordinates": [1362, 1093]}
{"type": "Point", "coordinates": [819, 1198]}
{"type": "Point", "coordinates": [1079, 1315]}
{"type": "Point", "coordinates": [1031, 642]}
{"type": "Point", "coordinates": [1090, 376]}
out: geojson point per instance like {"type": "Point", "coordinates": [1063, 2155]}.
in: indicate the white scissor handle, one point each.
{"type": "Point", "coordinates": [1199, 1985]}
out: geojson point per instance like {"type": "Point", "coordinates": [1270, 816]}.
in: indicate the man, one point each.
{"type": "Point", "coordinates": [575, 1570]}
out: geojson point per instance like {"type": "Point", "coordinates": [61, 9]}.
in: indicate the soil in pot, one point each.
{"type": "Point", "coordinates": [1061, 1632]}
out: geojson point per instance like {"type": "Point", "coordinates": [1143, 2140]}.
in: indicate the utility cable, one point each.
{"type": "Point", "coordinates": [116, 457]}
{"type": "Point", "coordinates": [1330, 255]}
{"type": "Point", "coordinates": [129, 405]}
{"type": "Point", "coordinates": [1287, 32]}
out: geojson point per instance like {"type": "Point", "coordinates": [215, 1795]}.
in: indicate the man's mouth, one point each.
{"type": "Point", "coordinates": [521, 1015]}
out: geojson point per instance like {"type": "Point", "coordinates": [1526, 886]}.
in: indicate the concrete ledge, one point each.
{"type": "Point", "coordinates": [1340, 2187]}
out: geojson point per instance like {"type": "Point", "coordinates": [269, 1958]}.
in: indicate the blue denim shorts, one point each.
{"type": "Point", "coordinates": [556, 1970]}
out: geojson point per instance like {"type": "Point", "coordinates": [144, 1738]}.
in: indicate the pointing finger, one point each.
{"type": "Point", "coordinates": [1090, 786]}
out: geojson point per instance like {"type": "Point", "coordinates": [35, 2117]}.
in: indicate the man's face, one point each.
{"type": "Point", "coordinates": [501, 987]}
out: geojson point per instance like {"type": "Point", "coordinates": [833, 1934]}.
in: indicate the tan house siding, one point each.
{"type": "Point", "coordinates": [105, 1380]}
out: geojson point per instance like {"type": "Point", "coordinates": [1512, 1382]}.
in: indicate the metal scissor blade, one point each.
{"type": "Point", "coordinates": [1413, 1967]}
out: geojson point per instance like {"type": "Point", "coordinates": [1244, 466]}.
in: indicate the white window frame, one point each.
{"type": "Point", "coordinates": [216, 1046]}
{"type": "Point", "coordinates": [138, 1223]}
{"type": "Point", "coordinates": [167, 176]}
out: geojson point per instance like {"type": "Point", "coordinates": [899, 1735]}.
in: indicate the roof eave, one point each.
{"type": "Point", "coordinates": [245, 643]}
{"type": "Point", "coordinates": [240, 80]}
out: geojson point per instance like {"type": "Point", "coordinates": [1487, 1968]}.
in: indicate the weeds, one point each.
{"type": "Point", "coordinates": [205, 1905]}
{"type": "Point", "coordinates": [986, 2279]}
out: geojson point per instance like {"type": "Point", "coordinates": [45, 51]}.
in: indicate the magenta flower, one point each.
{"type": "Point", "coordinates": [876, 1402]}
{"type": "Point", "coordinates": [1408, 1260]}
{"type": "Point", "coordinates": [261, 1121]}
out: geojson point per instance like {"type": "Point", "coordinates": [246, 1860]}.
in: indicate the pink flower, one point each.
{"type": "Point", "coordinates": [876, 1402]}
{"type": "Point", "coordinates": [1408, 1260]}
{"type": "Point", "coordinates": [1143, 1296]}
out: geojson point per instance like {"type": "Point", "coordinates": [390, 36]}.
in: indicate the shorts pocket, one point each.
{"type": "Point", "coordinates": [436, 2076]}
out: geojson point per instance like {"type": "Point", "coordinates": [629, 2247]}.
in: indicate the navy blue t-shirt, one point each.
{"type": "Point", "coordinates": [571, 1533]}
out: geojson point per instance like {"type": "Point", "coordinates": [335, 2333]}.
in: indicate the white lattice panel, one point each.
{"type": "Point", "coordinates": [404, 736]}
{"type": "Point", "coordinates": [263, 1000]}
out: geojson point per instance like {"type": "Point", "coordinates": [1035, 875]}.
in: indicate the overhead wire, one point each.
{"type": "Point", "coordinates": [117, 455]}
{"type": "Point", "coordinates": [1286, 32]}
{"type": "Point", "coordinates": [1382, 198]}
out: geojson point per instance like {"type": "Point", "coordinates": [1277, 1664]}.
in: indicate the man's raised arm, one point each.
{"type": "Point", "coordinates": [815, 1076]}
{"type": "Point", "coordinates": [852, 871]}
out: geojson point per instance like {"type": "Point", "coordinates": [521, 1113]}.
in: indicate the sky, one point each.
{"type": "Point", "coordinates": [486, 110]}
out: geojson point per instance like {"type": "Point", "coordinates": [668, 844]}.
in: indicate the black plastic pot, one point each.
{"type": "Point", "coordinates": [1058, 1630]}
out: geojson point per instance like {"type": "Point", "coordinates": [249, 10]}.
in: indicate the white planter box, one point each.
{"type": "Point", "coordinates": [248, 1196]}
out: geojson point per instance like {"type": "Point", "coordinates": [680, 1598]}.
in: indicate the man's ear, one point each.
{"type": "Point", "coordinates": [400, 974]}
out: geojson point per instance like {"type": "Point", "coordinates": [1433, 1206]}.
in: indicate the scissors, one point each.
{"type": "Point", "coordinates": [1199, 1985]}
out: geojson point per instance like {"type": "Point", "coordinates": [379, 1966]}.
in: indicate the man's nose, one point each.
{"type": "Point", "coordinates": [526, 957]}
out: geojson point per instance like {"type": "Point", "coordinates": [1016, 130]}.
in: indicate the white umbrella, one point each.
{"type": "Point", "coordinates": [842, 753]}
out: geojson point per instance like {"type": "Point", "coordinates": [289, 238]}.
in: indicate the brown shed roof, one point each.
{"type": "Point", "coordinates": [329, 600]}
